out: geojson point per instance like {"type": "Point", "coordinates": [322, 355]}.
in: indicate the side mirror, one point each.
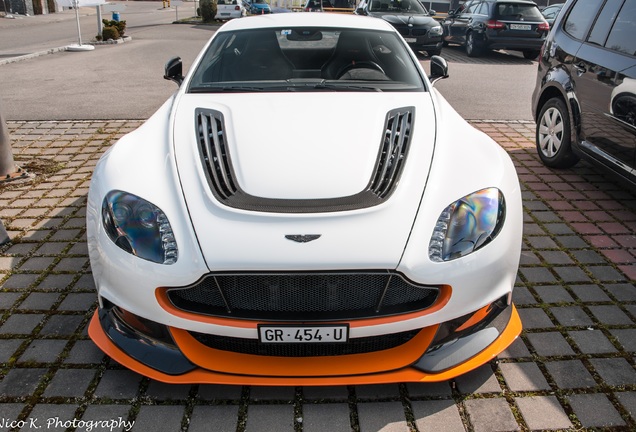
{"type": "Point", "coordinates": [439, 69]}
{"type": "Point", "coordinates": [431, 12]}
{"type": "Point", "coordinates": [360, 11]}
{"type": "Point", "coordinates": [174, 70]}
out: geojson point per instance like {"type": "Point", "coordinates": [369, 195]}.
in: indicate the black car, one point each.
{"type": "Point", "coordinates": [497, 24]}
{"type": "Point", "coordinates": [551, 12]}
{"type": "Point", "coordinates": [584, 101]}
{"type": "Point", "coordinates": [411, 19]}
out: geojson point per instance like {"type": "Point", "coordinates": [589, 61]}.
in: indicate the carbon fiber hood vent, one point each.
{"type": "Point", "coordinates": [217, 164]}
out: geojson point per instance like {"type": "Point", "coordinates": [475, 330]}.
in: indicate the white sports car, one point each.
{"type": "Point", "coordinates": [306, 209]}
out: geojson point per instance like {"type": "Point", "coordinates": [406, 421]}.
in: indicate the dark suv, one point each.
{"type": "Point", "coordinates": [497, 24]}
{"type": "Point", "coordinates": [584, 101]}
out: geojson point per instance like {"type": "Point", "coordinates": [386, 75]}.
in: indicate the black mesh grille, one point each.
{"type": "Point", "coordinates": [303, 296]}
{"type": "Point", "coordinates": [354, 346]}
{"type": "Point", "coordinates": [217, 164]}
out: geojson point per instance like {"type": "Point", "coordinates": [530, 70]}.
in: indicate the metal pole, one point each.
{"type": "Point", "coordinates": [79, 33]}
{"type": "Point", "coordinates": [100, 25]}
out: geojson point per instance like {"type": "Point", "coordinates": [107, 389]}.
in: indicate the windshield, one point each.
{"type": "Point", "coordinates": [306, 59]}
{"type": "Point", "coordinates": [518, 12]}
{"type": "Point", "coordinates": [397, 6]}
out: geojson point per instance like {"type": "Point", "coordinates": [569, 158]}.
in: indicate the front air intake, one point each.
{"type": "Point", "coordinates": [217, 163]}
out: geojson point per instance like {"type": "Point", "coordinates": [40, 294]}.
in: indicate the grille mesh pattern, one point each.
{"type": "Point", "coordinates": [354, 346]}
{"type": "Point", "coordinates": [303, 296]}
{"type": "Point", "coordinates": [217, 163]}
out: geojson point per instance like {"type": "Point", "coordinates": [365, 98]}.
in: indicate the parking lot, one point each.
{"type": "Point", "coordinates": [573, 368]}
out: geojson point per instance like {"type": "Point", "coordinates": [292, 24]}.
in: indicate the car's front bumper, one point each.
{"type": "Point", "coordinates": [436, 353]}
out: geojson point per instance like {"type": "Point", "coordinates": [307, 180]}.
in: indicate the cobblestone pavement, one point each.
{"type": "Point", "coordinates": [572, 369]}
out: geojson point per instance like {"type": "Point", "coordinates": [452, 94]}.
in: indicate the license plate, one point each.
{"type": "Point", "coordinates": [303, 334]}
{"type": "Point", "coordinates": [224, 13]}
{"type": "Point", "coordinates": [520, 27]}
{"type": "Point", "coordinates": [410, 40]}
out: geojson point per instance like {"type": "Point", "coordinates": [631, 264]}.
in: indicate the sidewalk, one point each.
{"type": "Point", "coordinates": [572, 369]}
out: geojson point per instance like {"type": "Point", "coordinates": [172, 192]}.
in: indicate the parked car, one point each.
{"type": "Point", "coordinates": [381, 248]}
{"type": "Point", "coordinates": [317, 5]}
{"type": "Point", "coordinates": [550, 12]}
{"type": "Point", "coordinates": [584, 101]}
{"type": "Point", "coordinates": [411, 19]}
{"type": "Point", "coordinates": [259, 7]}
{"type": "Point", "coordinates": [497, 24]}
{"type": "Point", "coordinates": [229, 9]}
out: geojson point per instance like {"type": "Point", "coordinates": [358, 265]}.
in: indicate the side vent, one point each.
{"type": "Point", "coordinates": [213, 148]}
{"type": "Point", "coordinates": [397, 136]}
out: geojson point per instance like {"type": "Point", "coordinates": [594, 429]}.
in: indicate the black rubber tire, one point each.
{"type": "Point", "coordinates": [473, 49]}
{"type": "Point", "coordinates": [531, 54]}
{"type": "Point", "coordinates": [553, 135]}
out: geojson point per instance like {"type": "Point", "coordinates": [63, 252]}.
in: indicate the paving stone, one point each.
{"type": "Point", "coordinates": [62, 325]}
{"type": "Point", "coordinates": [84, 352]}
{"type": "Point", "coordinates": [571, 316]}
{"type": "Point", "coordinates": [490, 415]}
{"type": "Point", "coordinates": [571, 274]}
{"type": "Point", "coordinates": [377, 391]}
{"type": "Point", "coordinates": [626, 337]}
{"type": "Point", "coordinates": [56, 282]}
{"type": "Point", "coordinates": [37, 264]}
{"type": "Point", "coordinates": [213, 392]}
{"type": "Point", "coordinates": [536, 275]}
{"type": "Point", "coordinates": [622, 292]}
{"type": "Point", "coordinates": [39, 301]}
{"type": "Point", "coordinates": [21, 381]}
{"type": "Point", "coordinates": [553, 294]}
{"type": "Point", "coordinates": [69, 383]}
{"type": "Point", "coordinates": [116, 414]}
{"type": "Point", "coordinates": [118, 384]}
{"type": "Point", "coordinates": [437, 389]}
{"type": "Point", "coordinates": [588, 257]}
{"type": "Point", "coordinates": [592, 342]}
{"type": "Point", "coordinates": [605, 273]}
{"type": "Point", "coordinates": [21, 324]}
{"type": "Point", "coordinates": [382, 416]}
{"type": "Point", "coordinates": [8, 299]}
{"type": "Point", "coordinates": [610, 315]}
{"type": "Point", "coordinates": [535, 318]}
{"type": "Point", "coordinates": [19, 281]}
{"type": "Point", "coordinates": [51, 417]}
{"type": "Point", "coordinates": [153, 418]}
{"type": "Point", "coordinates": [522, 296]}
{"type": "Point", "coordinates": [595, 410]}
{"type": "Point", "coordinates": [516, 350]}
{"type": "Point", "coordinates": [570, 374]}
{"type": "Point", "coordinates": [437, 415]}
{"type": "Point", "coordinates": [332, 393]}
{"type": "Point", "coordinates": [529, 258]}
{"type": "Point", "coordinates": [590, 293]}
{"type": "Point", "coordinates": [615, 371]}
{"type": "Point", "coordinates": [224, 418]}
{"type": "Point", "coordinates": [572, 242]}
{"type": "Point", "coordinates": [270, 418]}
{"type": "Point", "coordinates": [559, 229]}
{"type": "Point", "coordinates": [267, 393]}
{"type": "Point", "coordinates": [543, 413]}
{"type": "Point", "coordinates": [43, 351]}
{"type": "Point", "coordinates": [168, 392]}
{"type": "Point", "coordinates": [628, 401]}
{"type": "Point", "coordinates": [9, 412]}
{"type": "Point", "coordinates": [78, 302]}
{"type": "Point", "coordinates": [480, 380]}
{"type": "Point", "coordinates": [326, 417]}
{"type": "Point", "coordinates": [523, 377]}
{"type": "Point", "coordinates": [550, 344]}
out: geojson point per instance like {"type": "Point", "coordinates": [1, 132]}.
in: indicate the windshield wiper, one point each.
{"type": "Point", "coordinates": [339, 86]}
{"type": "Point", "coordinates": [237, 89]}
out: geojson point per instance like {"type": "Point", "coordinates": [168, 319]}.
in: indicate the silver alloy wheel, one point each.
{"type": "Point", "coordinates": [551, 132]}
{"type": "Point", "coordinates": [470, 43]}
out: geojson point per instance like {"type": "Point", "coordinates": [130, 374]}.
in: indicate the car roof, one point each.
{"type": "Point", "coordinates": [307, 20]}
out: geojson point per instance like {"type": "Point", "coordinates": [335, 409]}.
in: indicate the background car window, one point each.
{"type": "Point", "coordinates": [580, 18]}
{"type": "Point", "coordinates": [482, 9]}
{"type": "Point", "coordinates": [513, 11]}
{"type": "Point", "coordinates": [606, 18]}
{"type": "Point", "coordinates": [622, 38]}
{"type": "Point", "coordinates": [471, 8]}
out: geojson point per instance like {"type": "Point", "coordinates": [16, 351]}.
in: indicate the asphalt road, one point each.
{"type": "Point", "coordinates": [125, 81]}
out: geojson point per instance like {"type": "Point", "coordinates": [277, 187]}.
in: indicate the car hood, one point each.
{"type": "Point", "coordinates": [406, 19]}
{"type": "Point", "coordinates": [298, 148]}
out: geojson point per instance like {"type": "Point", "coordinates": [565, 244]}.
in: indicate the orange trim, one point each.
{"type": "Point", "coordinates": [162, 298]}
{"type": "Point", "coordinates": [406, 374]}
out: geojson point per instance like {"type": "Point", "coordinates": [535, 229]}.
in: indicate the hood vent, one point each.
{"type": "Point", "coordinates": [217, 163]}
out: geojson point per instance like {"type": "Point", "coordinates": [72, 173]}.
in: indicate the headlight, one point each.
{"type": "Point", "coordinates": [436, 31]}
{"type": "Point", "coordinates": [467, 225]}
{"type": "Point", "coordinates": [139, 227]}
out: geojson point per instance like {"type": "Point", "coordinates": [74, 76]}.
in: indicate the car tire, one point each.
{"type": "Point", "coordinates": [531, 54]}
{"type": "Point", "coordinates": [554, 135]}
{"type": "Point", "coordinates": [472, 47]}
